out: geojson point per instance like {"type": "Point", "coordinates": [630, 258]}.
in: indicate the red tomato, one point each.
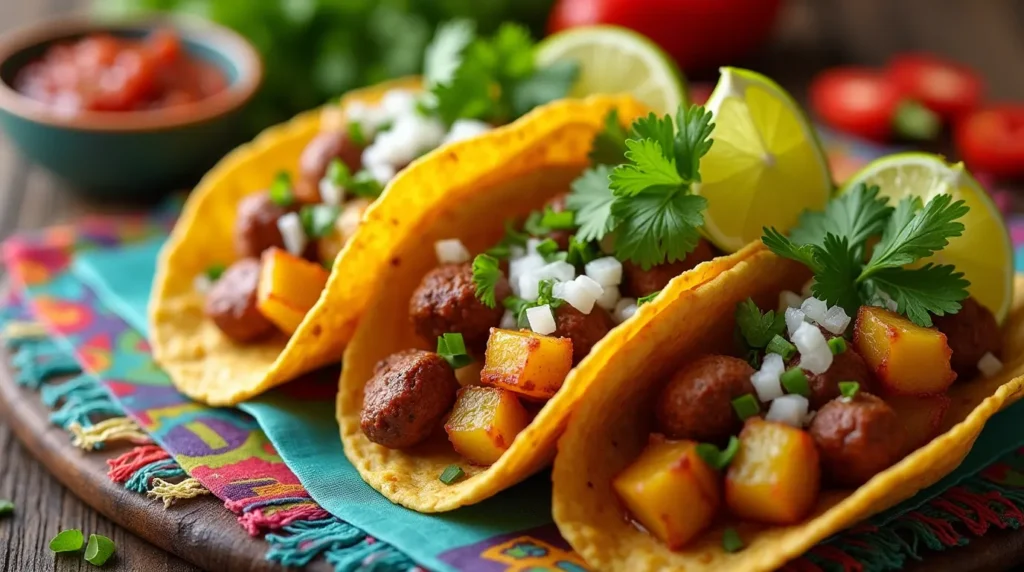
{"type": "Point", "coordinates": [855, 100]}
{"type": "Point", "coordinates": [697, 33]}
{"type": "Point", "coordinates": [991, 140]}
{"type": "Point", "coordinates": [945, 87]}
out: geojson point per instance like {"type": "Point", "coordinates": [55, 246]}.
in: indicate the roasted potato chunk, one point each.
{"type": "Point", "coordinates": [775, 476]}
{"type": "Point", "coordinates": [906, 358]}
{"type": "Point", "coordinates": [921, 417]}
{"type": "Point", "coordinates": [288, 288]}
{"type": "Point", "coordinates": [484, 422]}
{"type": "Point", "coordinates": [529, 364]}
{"type": "Point", "coordinates": [671, 491]}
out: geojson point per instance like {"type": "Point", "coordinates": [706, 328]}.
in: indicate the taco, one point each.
{"type": "Point", "coordinates": [508, 298]}
{"type": "Point", "coordinates": [752, 422]}
{"type": "Point", "coordinates": [265, 232]}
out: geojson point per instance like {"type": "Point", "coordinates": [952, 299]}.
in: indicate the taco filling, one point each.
{"type": "Point", "coordinates": [826, 390]}
{"type": "Point", "coordinates": [287, 236]}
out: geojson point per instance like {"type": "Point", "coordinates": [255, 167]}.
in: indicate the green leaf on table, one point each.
{"type": "Point", "coordinates": [67, 541]}
{"type": "Point", "coordinates": [99, 550]}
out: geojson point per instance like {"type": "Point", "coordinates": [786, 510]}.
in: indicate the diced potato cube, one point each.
{"type": "Point", "coordinates": [921, 417]}
{"type": "Point", "coordinates": [289, 287]}
{"type": "Point", "coordinates": [484, 422]}
{"type": "Point", "coordinates": [527, 363]}
{"type": "Point", "coordinates": [906, 358]}
{"type": "Point", "coordinates": [671, 491]}
{"type": "Point", "coordinates": [775, 476]}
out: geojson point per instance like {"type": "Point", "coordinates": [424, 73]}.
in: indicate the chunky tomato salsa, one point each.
{"type": "Point", "coordinates": [101, 72]}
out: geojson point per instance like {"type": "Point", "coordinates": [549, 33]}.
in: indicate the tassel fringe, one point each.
{"type": "Point", "coordinates": [170, 493]}
{"type": "Point", "coordinates": [113, 429]}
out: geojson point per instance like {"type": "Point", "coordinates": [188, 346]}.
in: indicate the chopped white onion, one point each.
{"type": "Point", "coordinates": [794, 319]}
{"type": "Point", "coordinates": [202, 283]}
{"type": "Point", "coordinates": [577, 296]}
{"type": "Point", "coordinates": [294, 237]}
{"type": "Point", "coordinates": [589, 285]}
{"type": "Point", "coordinates": [529, 285]}
{"type": "Point", "coordinates": [814, 309]}
{"type": "Point", "coordinates": [789, 409]}
{"type": "Point", "coordinates": [331, 194]}
{"type": "Point", "coordinates": [835, 320]}
{"type": "Point", "coordinates": [451, 251]}
{"type": "Point", "coordinates": [789, 299]}
{"type": "Point", "coordinates": [520, 266]}
{"type": "Point", "coordinates": [609, 297]}
{"type": "Point", "coordinates": [624, 310]}
{"type": "Point", "coordinates": [508, 321]}
{"type": "Point", "coordinates": [369, 117]}
{"type": "Point", "coordinates": [605, 271]}
{"type": "Point", "coordinates": [558, 270]}
{"type": "Point", "coordinates": [766, 380]}
{"type": "Point", "coordinates": [989, 365]}
{"type": "Point", "coordinates": [409, 136]}
{"type": "Point", "coordinates": [398, 102]}
{"type": "Point", "coordinates": [541, 320]}
{"type": "Point", "coordinates": [381, 172]}
{"type": "Point", "coordinates": [815, 355]}
{"type": "Point", "coordinates": [466, 129]}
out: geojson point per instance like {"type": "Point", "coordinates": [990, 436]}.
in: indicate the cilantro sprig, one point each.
{"type": "Point", "coordinates": [755, 329]}
{"type": "Point", "coordinates": [833, 245]}
{"type": "Point", "coordinates": [486, 275]}
{"type": "Point", "coordinates": [545, 296]}
{"type": "Point", "coordinates": [646, 201]}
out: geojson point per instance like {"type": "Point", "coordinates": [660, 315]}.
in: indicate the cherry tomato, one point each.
{"type": "Point", "coordinates": [991, 140]}
{"type": "Point", "coordinates": [697, 33]}
{"type": "Point", "coordinates": [856, 100]}
{"type": "Point", "coordinates": [945, 87]}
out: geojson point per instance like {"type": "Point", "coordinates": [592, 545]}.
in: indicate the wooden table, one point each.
{"type": "Point", "coordinates": [985, 34]}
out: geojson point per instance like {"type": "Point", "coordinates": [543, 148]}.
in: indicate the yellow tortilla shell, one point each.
{"type": "Point", "coordinates": [467, 192]}
{"type": "Point", "coordinates": [202, 362]}
{"type": "Point", "coordinates": [611, 425]}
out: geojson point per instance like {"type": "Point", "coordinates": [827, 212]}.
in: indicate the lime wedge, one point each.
{"type": "Point", "coordinates": [765, 166]}
{"type": "Point", "coordinates": [616, 60]}
{"type": "Point", "coordinates": [984, 252]}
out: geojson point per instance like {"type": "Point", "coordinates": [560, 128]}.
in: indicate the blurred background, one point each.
{"type": "Point", "coordinates": [314, 50]}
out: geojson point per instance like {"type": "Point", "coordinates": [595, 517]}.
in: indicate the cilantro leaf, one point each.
{"type": "Point", "coordinates": [786, 248]}
{"type": "Point", "coordinates": [836, 279]}
{"type": "Point", "coordinates": [649, 170]}
{"type": "Point", "coordinates": [512, 238]}
{"type": "Point", "coordinates": [693, 140]}
{"type": "Point", "coordinates": [857, 215]}
{"type": "Point", "coordinates": [545, 85]}
{"type": "Point", "coordinates": [609, 146]}
{"type": "Point", "coordinates": [909, 239]}
{"type": "Point", "coordinates": [919, 292]}
{"type": "Point", "coordinates": [486, 275]}
{"type": "Point", "coordinates": [756, 328]}
{"type": "Point", "coordinates": [466, 96]}
{"type": "Point", "coordinates": [591, 198]}
{"type": "Point", "coordinates": [512, 46]}
{"type": "Point", "coordinates": [364, 184]}
{"type": "Point", "coordinates": [658, 129]}
{"type": "Point", "coordinates": [444, 53]}
{"type": "Point", "coordinates": [809, 229]}
{"type": "Point", "coordinates": [656, 227]}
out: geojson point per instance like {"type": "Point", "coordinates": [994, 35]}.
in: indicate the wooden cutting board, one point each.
{"type": "Point", "coordinates": [199, 530]}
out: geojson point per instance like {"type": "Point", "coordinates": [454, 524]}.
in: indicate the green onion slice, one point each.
{"type": "Point", "coordinates": [356, 134]}
{"type": "Point", "coordinates": [453, 349]}
{"type": "Point", "coordinates": [849, 389]}
{"type": "Point", "coordinates": [731, 541]}
{"type": "Point", "coordinates": [648, 298]}
{"type": "Point", "coordinates": [318, 220]}
{"type": "Point", "coordinates": [782, 346]}
{"type": "Point", "coordinates": [795, 381]}
{"type": "Point", "coordinates": [281, 193]}
{"type": "Point", "coordinates": [564, 220]}
{"type": "Point", "coordinates": [837, 345]}
{"type": "Point", "coordinates": [746, 406]}
{"type": "Point", "coordinates": [716, 458]}
{"type": "Point", "coordinates": [451, 474]}
{"type": "Point", "coordinates": [547, 247]}
{"type": "Point", "coordinates": [338, 174]}
{"type": "Point", "coordinates": [214, 271]}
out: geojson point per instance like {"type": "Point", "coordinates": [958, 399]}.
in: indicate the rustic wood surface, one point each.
{"type": "Point", "coordinates": [812, 34]}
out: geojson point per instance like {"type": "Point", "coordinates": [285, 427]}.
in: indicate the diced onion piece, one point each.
{"type": "Point", "coordinates": [558, 270]}
{"type": "Point", "coordinates": [398, 102]}
{"type": "Point", "coordinates": [814, 309]}
{"type": "Point", "coordinates": [521, 266]}
{"type": "Point", "coordinates": [516, 252]}
{"type": "Point", "coordinates": [605, 271]}
{"type": "Point", "coordinates": [451, 251]}
{"type": "Point", "coordinates": [815, 355]}
{"type": "Point", "coordinates": [794, 319]}
{"type": "Point", "coordinates": [202, 283]}
{"type": "Point", "coordinates": [529, 285]}
{"type": "Point", "coordinates": [381, 172]}
{"type": "Point", "coordinates": [589, 285]}
{"type": "Point", "coordinates": [789, 299]}
{"type": "Point", "coordinates": [508, 321]}
{"type": "Point", "coordinates": [541, 320]}
{"type": "Point", "coordinates": [577, 296]}
{"type": "Point", "coordinates": [789, 409]}
{"type": "Point", "coordinates": [766, 380]}
{"type": "Point", "coordinates": [294, 237]}
{"type": "Point", "coordinates": [609, 298]}
{"type": "Point", "coordinates": [466, 129]}
{"type": "Point", "coordinates": [989, 365]}
{"type": "Point", "coordinates": [331, 194]}
{"type": "Point", "coordinates": [624, 310]}
{"type": "Point", "coordinates": [836, 320]}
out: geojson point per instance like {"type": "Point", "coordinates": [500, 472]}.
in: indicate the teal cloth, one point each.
{"type": "Point", "coordinates": [306, 435]}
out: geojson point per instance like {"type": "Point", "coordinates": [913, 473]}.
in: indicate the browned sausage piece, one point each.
{"type": "Point", "coordinates": [971, 333]}
{"type": "Point", "coordinates": [446, 302]}
{"type": "Point", "coordinates": [557, 204]}
{"type": "Point", "coordinates": [584, 330]}
{"type": "Point", "coordinates": [406, 399]}
{"type": "Point", "coordinates": [857, 438]}
{"type": "Point", "coordinates": [231, 303]}
{"type": "Point", "coordinates": [847, 366]}
{"type": "Point", "coordinates": [256, 225]}
{"type": "Point", "coordinates": [638, 282]}
{"type": "Point", "coordinates": [317, 156]}
{"type": "Point", "coordinates": [697, 402]}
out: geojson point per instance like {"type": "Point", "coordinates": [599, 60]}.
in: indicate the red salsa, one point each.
{"type": "Point", "coordinates": [101, 72]}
